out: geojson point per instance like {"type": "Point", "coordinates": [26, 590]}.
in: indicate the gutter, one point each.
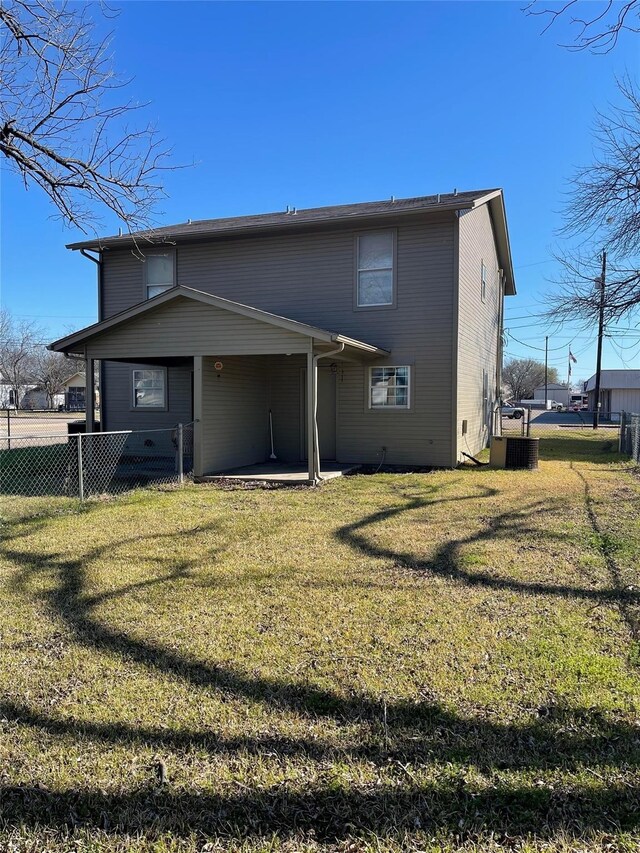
{"type": "Point", "coordinates": [352, 342]}
{"type": "Point", "coordinates": [98, 262]}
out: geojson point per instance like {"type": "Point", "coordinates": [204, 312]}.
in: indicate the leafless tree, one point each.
{"type": "Point", "coordinates": [596, 26]}
{"type": "Point", "coordinates": [18, 341]}
{"type": "Point", "coordinates": [603, 212]}
{"type": "Point", "coordinates": [62, 125]}
{"type": "Point", "coordinates": [604, 200]}
{"type": "Point", "coordinates": [524, 375]}
{"type": "Point", "coordinates": [50, 370]}
{"type": "Point", "coordinates": [578, 294]}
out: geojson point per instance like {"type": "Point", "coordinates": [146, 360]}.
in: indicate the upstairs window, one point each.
{"type": "Point", "coordinates": [389, 387]}
{"type": "Point", "coordinates": [483, 281]}
{"type": "Point", "coordinates": [374, 283]}
{"type": "Point", "coordinates": [159, 271]}
{"type": "Point", "coordinates": [149, 388]}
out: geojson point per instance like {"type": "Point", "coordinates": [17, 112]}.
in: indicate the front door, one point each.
{"type": "Point", "coordinates": [326, 413]}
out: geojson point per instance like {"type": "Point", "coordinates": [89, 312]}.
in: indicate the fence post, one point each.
{"type": "Point", "coordinates": [8, 429]}
{"type": "Point", "coordinates": [80, 471]}
{"type": "Point", "coordinates": [528, 421]}
{"type": "Point", "coordinates": [180, 454]}
{"type": "Point", "coordinates": [623, 416]}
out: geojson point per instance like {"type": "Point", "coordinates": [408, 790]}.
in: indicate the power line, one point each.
{"type": "Point", "coordinates": [59, 316]}
{"type": "Point", "coordinates": [534, 264]}
{"type": "Point", "coordinates": [541, 349]}
{"type": "Point", "coordinates": [622, 358]}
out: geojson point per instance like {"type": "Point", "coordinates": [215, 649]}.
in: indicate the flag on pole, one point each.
{"type": "Point", "coordinates": [572, 357]}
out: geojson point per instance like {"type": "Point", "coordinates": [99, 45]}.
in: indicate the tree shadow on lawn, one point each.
{"type": "Point", "coordinates": [402, 737]}
{"type": "Point", "coordinates": [506, 526]}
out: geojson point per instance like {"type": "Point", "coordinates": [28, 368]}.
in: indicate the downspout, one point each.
{"type": "Point", "coordinates": [316, 442]}
{"type": "Point", "coordinates": [497, 421]}
{"type": "Point", "coordinates": [98, 262]}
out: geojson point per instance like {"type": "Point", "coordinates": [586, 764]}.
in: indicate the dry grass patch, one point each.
{"type": "Point", "coordinates": [442, 661]}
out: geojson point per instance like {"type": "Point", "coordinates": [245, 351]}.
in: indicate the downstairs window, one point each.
{"type": "Point", "coordinates": [389, 387]}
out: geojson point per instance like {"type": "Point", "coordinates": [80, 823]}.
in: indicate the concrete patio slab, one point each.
{"type": "Point", "coordinates": [279, 472]}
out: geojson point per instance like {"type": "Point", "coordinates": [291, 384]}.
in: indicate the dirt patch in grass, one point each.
{"type": "Point", "coordinates": [367, 470]}
{"type": "Point", "coordinates": [442, 662]}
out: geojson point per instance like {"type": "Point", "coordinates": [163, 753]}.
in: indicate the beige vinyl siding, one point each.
{"type": "Point", "coordinates": [117, 400]}
{"type": "Point", "coordinates": [478, 329]}
{"type": "Point", "coordinates": [310, 278]}
{"type": "Point", "coordinates": [122, 281]}
{"type": "Point", "coordinates": [234, 413]}
{"type": "Point", "coordinates": [184, 327]}
{"type": "Point", "coordinates": [285, 402]}
{"type": "Point", "coordinates": [307, 277]}
{"type": "Point", "coordinates": [420, 329]}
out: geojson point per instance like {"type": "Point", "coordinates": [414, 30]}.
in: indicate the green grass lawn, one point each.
{"type": "Point", "coordinates": [445, 661]}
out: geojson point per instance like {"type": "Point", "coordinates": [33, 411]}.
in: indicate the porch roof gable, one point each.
{"type": "Point", "coordinates": [72, 343]}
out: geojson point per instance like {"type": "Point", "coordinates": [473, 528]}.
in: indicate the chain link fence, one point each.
{"type": "Point", "coordinates": [563, 434]}
{"type": "Point", "coordinates": [630, 435]}
{"type": "Point", "coordinates": [37, 423]}
{"type": "Point", "coordinates": [100, 463]}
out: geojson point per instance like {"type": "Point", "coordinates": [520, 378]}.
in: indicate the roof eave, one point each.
{"type": "Point", "coordinates": [127, 240]}
{"type": "Point", "coordinates": [495, 200]}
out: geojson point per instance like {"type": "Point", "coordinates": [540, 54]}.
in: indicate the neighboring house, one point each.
{"type": "Point", "coordinates": [34, 398]}
{"type": "Point", "coordinates": [74, 391]}
{"type": "Point", "coordinates": [558, 391]}
{"type": "Point", "coordinates": [7, 396]}
{"type": "Point", "coordinates": [379, 322]}
{"type": "Point", "coordinates": [619, 391]}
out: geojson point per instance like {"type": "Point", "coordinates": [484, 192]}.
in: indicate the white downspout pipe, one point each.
{"type": "Point", "coordinates": [316, 442]}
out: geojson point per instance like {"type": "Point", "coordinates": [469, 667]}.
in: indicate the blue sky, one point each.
{"type": "Point", "coordinates": [321, 103]}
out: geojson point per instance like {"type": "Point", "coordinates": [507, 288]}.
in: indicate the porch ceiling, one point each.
{"type": "Point", "coordinates": [182, 322]}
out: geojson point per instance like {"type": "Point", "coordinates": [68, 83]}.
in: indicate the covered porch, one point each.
{"type": "Point", "coordinates": [261, 390]}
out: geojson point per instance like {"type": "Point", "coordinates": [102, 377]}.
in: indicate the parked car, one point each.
{"type": "Point", "coordinates": [555, 406]}
{"type": "Point", "coordinates": [508, 410]}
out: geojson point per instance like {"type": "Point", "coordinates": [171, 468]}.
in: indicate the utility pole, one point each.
{"type": "Point", "coordinates": [596, 411]}
{"type": "Point", "coordinates": [546, 372]}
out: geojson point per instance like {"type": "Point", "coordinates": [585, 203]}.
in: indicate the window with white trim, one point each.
{"type": "Point", "coordinates": [374, 285]}
{"type": "Point", "coordinates": [159, 273]}
{"type": "Point", "coordinates": [389, 387]}
{"type": "Point", "coordinates": [149, 388]}
{"type": "Point", "coordinates": [483, 281]}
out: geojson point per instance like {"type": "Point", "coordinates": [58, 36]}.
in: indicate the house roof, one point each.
{"type": "Point", "coordinates": [294, 219]}
{"type": "Point", "coordinates": [78, 373]}
{"type": "Point", "coordinates": [553, 386]}
{"type": "Point", "coordinates": [75, 341]}
{"type": "Point", "coordinates": [629, 379]}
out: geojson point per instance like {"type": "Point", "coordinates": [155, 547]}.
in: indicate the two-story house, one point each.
{"type": "Point", "coordinates": [371, 332]}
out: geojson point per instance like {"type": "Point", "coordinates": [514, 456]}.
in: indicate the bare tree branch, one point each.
{"type": "Point", "coordinates": [577, 291]}
{"type": "Point", "coordinates": [603, 211]}
{"type": "Point", "coordinates": [600, 28]}
{"type": "Point", "coordinates": [17, 344]}
{"type": "Point", "coordinates": [50, 370]}
{"type": "Point", "coordinates": [61, 125]}
{"type": "Point", "coordinates": [604, 200]}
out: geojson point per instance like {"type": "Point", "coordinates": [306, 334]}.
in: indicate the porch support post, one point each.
{"type": "Point", "coordinates": [198, 457]}
{"type": "Point", "coordinates": [312, 391]}
{"type": "Point", "coordinates": [90, 395]}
